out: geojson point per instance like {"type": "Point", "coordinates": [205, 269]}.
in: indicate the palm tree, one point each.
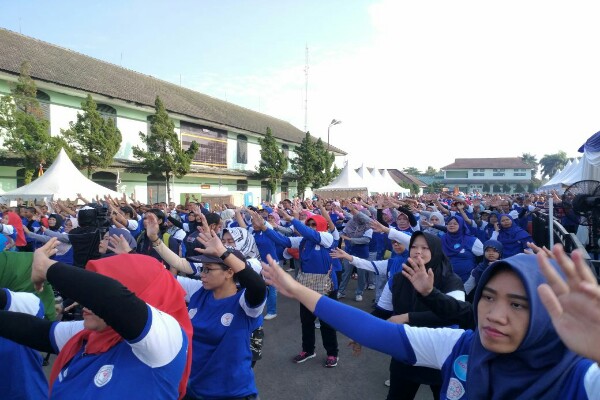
{"type": "Point", "coordinates": [532, 161]}
{"type": "Point", "coordinates": [551, 163]}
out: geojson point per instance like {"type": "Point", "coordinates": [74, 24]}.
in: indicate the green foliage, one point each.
{"type": "Point", "coordinates": [314, 165]}
{"type": "Point", "coordinates": [532, 161]}
{"type": "Point", "coordinates": [94, 141]}
{"type": "Point", "coordinates": [551, 163]}
{"type": "Point", "coordinates": [163, 154]}
{"type": "Point", "coordinates": [24, 128]}
{"type": "Point", "coordinates": [411, 171]}
{"type": "Point", "coordinates": [273, 162]}
{"type": "Point", "coordinates": [519, 188]}
{"type": "Point", "coordinates": [435, 187]}
{"type": "Point", "coordinates": [431, 171]}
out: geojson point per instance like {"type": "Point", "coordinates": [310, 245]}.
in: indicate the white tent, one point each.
{"type": "Point", "coordinates": [390, 184]}
{"type": "Point", "coordinates": [554, 182]}
{"type": "Point", "coordinates": [61, 181]}
{"type": "Point", "coordinates": [366, 177]}
{"type": "Point", "coordinates": [378, 181]}
{"type": "Point", "coordinates": [347, 184]}
{"type": "Point", "coordinates": [574, 174]}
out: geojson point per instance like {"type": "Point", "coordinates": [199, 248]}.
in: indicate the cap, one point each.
{"type": "Point", "coordinates": [206, 259]}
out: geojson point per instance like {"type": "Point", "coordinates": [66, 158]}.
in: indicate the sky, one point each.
{"type": "Point", "coordinates": [415, 83]}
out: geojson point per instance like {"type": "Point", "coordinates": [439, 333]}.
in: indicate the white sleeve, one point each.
{"type": "Point", "coordinates": [160, 341]}
{"type": "Point", "coordinates": [295, 242]}
{"type": "Point", "coordinates": [379, 267]}
{"type": "Point", "coordinates": [432, 346]}
{"type": "Point", "coordinates": [22, 302]}
{"type": "Point", "coordinates": [494, 235]}
{"type": "Point", "coordinates": [251, 312]}
{"type": "Point", "coordinates": [591, 382]}
{"type": "Point", "coordinates": [336, 234]}
{"type": "Point", "coordinates": [457, 294]}
{"type": "Point", "coordinates": [255, 265]}
{"type": "Point", "coordinates": [368, 233]}
{"type": "Point", "coordinates": [179, 235]}
{"type": "Point", "coordinates": [385, 300]}
{"type": "Point", "coordinates": [190, 286]}
{"type": "Point", "coordinates": [470, 284]}
{"type": "Point", "coordinates": [400, 237]}
{"type": "Point", "coordinates": [186, 227]}
{"type": "Point", "coordinates": [132, 224]}
{"type": "Point", "coordinates": [477, 248]}
{"type": "Point", "coordinates": [8, 229]}
{"type": "Point", "coordinates": [326, 239]}
{"type": "Point", "coordinates": [61, 332]}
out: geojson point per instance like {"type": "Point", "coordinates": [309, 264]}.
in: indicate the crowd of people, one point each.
{"type": "Point", "coordinates": [170, 300]}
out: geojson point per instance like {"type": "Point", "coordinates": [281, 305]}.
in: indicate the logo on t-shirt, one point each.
{"type": "Point", "coordinates": [192, 312]}
{"type": "Point", "coordinates": [460, 367]}
{"type": "Point", "coordinates": [226, 319]}
{"type": "Point", "coordinates": [103, 375]}
{"type": "Point", "coordinates": [455, 389]}
{"type": "Point", "coordinates": [62, 375]}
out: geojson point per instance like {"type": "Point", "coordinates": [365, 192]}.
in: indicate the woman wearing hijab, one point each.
{"type": "Point", "coordinates": [513, 238]}
{"type": "Point", "coordinates": [64, 249]}
{"type": "Point", "coordinates": [514, 352]}
{"type": "Point", "coordinates": [461, 247]}
{"type": "Point", "coordinates": [134, 341]}
{"type": "Point", "coordinates": [400, 303]}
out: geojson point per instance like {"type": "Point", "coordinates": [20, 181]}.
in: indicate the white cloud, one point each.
{"type": "Point", "coordinates": [440, 80]}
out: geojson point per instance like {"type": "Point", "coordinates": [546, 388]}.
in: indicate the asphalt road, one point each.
{"type": "Point", "coordinates": [355, 378]}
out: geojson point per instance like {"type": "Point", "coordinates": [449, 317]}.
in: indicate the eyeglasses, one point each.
{"type": "Point", "coordinates": [206, 270]}
{"type": "Point", "coordinates": [312, 224]}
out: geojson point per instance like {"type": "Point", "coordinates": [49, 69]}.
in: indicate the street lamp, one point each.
{"type": "Point", "coordinates": [333, 122]}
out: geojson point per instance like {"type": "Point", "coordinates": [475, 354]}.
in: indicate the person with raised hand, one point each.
{"type": "Point", "coordinates": [573, 301]}
{"type": "Point", "coordinates": [514, 352]}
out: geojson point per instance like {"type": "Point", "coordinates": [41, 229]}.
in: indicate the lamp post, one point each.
{"type": "Point", "coordinates": [333, 122]}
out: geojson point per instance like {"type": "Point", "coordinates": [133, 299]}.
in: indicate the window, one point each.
{"type": "Point", "coordinates": [498, 174]}
{"type": "Point", "coordinates": [44, 101]}
{"type": "Point", "coordinates": [157, 188]}
{"type": "Point", "coordinates": [478, 174]}
{"type": "Point", "coordinates": [212, 142]}
{"type": "Point", "coordinates": [265, 191]}
{"type": "Point", "coordinates": [457, 174]}
{"type": "Point", "coordinates": [498, 169]}
{"type": "Point", "coordinates": [106, 179]}
{"type": "Point", "coordinates": [242, 149]}
{"type": "Point", "coordinates": [107, 112]}
{"type": "Point", "coordinates": [242, 186]}
{"type": "Point", "coordinates": [286, 150]}
{"type": "Point", "coordinates": [519, 174]}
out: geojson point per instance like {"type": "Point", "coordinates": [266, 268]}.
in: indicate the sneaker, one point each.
{"type": "Point", "coordinates": [340, 295]}
{"type": "Point", "coordinates": [371, 287]}
{"type": "Point", "coordinates": [318, 324]}
{"type": "Point", "coordinates": [303, 356]}
{"type": "Point", "coordinates": [358, 298]}
{"type": "Point", "coordinates": [355, 276]}
{"type": "Point", "coordinates": [289, 269]}
{"type": "Point", "coordinates": [331, 362]}
{"type": "Point", "coordinates": [387, 383]}
{"type": "Point", "coordinates": [269, 316]}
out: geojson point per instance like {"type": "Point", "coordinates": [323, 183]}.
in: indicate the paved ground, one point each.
{"type": "Point", "coordinates": [355, 378]}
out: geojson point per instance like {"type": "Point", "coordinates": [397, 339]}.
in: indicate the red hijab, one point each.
{"type": "Point", "coordinates": [15, 221]}
{"type": "Point", "coordinates": [148, 280]}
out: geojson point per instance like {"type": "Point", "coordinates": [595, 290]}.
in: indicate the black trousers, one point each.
{"type": "Point", "coordinates": [402, 388]}
{"type": "Point", "coordinates": [328, 334]}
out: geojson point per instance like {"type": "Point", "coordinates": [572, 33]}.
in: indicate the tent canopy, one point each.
{"type": "Point", "coordinates": [347, 184]}
{"type": "Point", "coordinates": [61, 181]}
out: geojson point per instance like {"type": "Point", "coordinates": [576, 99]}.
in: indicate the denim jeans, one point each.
{"type": "Point", "coordinates": [271, 300]}
{"type": "Point", "coordinates": [347, 274]}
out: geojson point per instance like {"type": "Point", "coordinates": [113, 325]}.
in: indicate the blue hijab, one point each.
{"type": "Point", "coordinates": [514, 238]}
{"type": "Point", "coordinates": [482, 266]}
{"type": "Point", "coordinates": [538, 369]}
{"type": "Point", "coordinates": [489, 228]}
{"type": "Point", "coordinates": [454, 243]}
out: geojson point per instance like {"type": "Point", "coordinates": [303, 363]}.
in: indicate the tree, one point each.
{"type": "Point", "coordinates": [324, 169]}
{"type": "Point", "coordinates": [273, 162]}
{"type": "Point", "coordinates": [303, 164]}
{"type": "Point", "coordinates": [163, 154]}
{"type": "Point", "coordinates": [532, 161]}
{"type": "Point", "coordinates": [519, 188]}
{"type": "Point", "coordinates": [411, 171]}
{"type": "Point", "coordinates": [435, 187]}
{"type": "Point", "coordinates": [551, 163]}
{"type": "Point", "coordinates": [94, 140]}
{"type": "Point", "coordinates": [431, 171]}
{"type": "Point", "coordinates": [23, 126]}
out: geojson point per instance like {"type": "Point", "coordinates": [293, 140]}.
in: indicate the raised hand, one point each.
{"type": "Point", "coordinates": [415, 271]}
{"type": "Point", "coordinates": [339, 253]}
{"type": "Point", "coordinates": [118, 244]}
{"type": "Point", "coordinates": [379, 227]}
{"type": "Point", "coordinates": [275, 276]}
{"type": "Point", "coordinates": [41, 263]}
{"type": "Point", "coordinates": [212, 242]}
{"type": "Point", "coordinates": [152, 227]}
{"type": "Point", "coordinates": [574, 303]}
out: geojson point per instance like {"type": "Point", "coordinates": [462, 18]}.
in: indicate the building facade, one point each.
{"type": "Point", "coordinates": [488, 175]}
{"type": "Point", "coordinates": [229, 154]}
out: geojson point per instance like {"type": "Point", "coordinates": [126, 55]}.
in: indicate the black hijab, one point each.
{"type": "Point", "coordinates": [59, 222]}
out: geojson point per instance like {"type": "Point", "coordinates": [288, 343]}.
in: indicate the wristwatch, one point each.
{"type": "Point", "coordinates": [226, 254]}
